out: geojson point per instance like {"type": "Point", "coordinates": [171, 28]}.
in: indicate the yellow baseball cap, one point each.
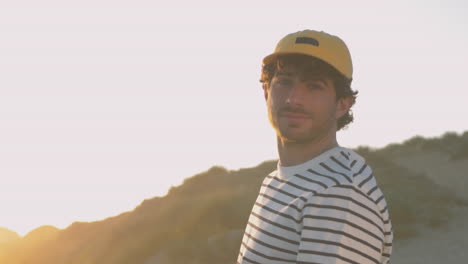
{"type": "Point", "coordinates": [328, 48]}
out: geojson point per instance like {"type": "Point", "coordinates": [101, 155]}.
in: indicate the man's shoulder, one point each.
{"type": "Point", "coordinates": [351, 157]}
{"type": "Point", "coordinates": [343, 164]}
{"type": "Point", "coordinates": [336, 167]}
{"type": "Point", "coordinates": [360, 178]}
{"type": "Point", "coordinates": [344, 167]}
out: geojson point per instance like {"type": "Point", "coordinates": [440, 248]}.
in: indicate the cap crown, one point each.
{"type": "Point", "coordinates": [331, 49]}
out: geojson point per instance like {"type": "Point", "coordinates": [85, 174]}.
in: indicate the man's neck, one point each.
{"type": "Point", "coordinates": [295, 153]}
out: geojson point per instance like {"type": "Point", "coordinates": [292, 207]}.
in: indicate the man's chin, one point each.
{"type": "Point", "coordinates": [294, 137]}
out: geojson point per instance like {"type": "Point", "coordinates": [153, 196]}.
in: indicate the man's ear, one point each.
{"type": "Point", "coordinates": [343, 105]}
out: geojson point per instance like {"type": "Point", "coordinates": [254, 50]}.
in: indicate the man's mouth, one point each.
{"type": "Point", "coordinates": [294, 116]}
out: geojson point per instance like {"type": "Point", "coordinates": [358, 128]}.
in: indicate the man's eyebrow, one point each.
{"type": "Point", "coordinates": [283, 73]}
{"type": "Point", "coordinates": [314, 79]}
{"type": "Point", "coordinates": [306, 78]}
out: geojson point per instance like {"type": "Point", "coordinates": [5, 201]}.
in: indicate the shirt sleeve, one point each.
{"type": "Point", "coordinates": [341, 225]}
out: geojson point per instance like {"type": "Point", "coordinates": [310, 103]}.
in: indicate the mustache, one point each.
{"type": "Point", "coordinates": [287, 109]}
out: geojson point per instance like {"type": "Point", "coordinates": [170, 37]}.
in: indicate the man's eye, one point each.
{"type": "Point", "coordinates": [314, 86]}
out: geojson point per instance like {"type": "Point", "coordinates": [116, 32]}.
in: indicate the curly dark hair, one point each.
{"type": "Point", "coordinates": [312, 66]}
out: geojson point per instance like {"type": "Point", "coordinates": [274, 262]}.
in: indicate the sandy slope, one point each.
{"type": "Point", "coordinates": [446, 245]}
{"type": "Point", "coordinates": [439, 168]}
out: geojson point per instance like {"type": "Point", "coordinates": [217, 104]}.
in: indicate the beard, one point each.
{"type": "Point", "coordinates": [297, 126]}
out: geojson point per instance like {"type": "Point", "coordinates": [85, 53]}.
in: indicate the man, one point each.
{"type": "Point", "coordinates": [322, 204]}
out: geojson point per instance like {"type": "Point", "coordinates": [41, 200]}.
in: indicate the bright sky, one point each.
{"type": "Point", "coordinates": [106, 103]}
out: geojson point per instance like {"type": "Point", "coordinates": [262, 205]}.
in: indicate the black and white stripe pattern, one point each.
{"type": "Point", "coordinates": [327, 210]}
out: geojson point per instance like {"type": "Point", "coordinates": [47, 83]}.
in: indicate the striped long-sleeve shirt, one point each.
{"type": "Point", "coordinates": [326, 210]}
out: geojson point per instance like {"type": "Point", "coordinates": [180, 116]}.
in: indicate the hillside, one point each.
{"type": "Point", "coordinates": [202, 220]}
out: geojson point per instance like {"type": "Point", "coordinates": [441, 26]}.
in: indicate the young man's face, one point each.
{"type": "Point", "coordinates": [302, 108]}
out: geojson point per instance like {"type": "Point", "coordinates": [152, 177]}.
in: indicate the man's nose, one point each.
{"type": "Point", "coordinates": [296, 94]}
